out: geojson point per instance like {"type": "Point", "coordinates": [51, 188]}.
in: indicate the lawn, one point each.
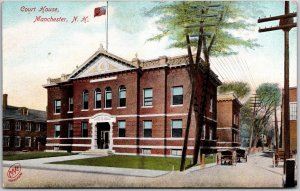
{"type": "Point", "coordinates": [140, 162]}
{"type": "Point", "coordinates": [34, 155]}
{"type": "Point", "coordinates": [210, 159]}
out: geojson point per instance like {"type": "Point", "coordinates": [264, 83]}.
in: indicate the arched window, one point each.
{"type": "Point", "coordinates": [122, 96]}
{"type": "Point", "coordinates": [97, 98]}
{"type": "Point", "coordinates": [108, 97]}
{"type": "Point", "coordinates": [85, 99]}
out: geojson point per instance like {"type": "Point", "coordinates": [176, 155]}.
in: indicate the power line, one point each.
{"type": "Point", "coordinates": [249, 71]}
{"type": "Point", "coordinates": [241, 65]}
{"type": "Point", "coordinates": [229, 68]}
{"type": "Point", "coordinates": [221, 71]}
{"type": "Point", "coordinates": [225, 69]}
{"type": "Point", "coordinates": [217, 70]}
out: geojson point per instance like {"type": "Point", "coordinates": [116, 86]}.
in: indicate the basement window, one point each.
{"type": "Point", "coordinates": [146, 151]}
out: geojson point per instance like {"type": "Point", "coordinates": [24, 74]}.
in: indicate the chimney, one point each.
{"type": "Point", "coordinates": [5, 101]}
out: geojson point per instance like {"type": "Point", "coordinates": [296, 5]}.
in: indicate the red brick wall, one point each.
{"type": "Point", "coordinates": [12, 133]}
{"type": "Point", "coordinates": [225, 113]}
{"type": "Point", "coordinates": [293, 94]}
{"type": "Point", "coordinates": [160, 80]}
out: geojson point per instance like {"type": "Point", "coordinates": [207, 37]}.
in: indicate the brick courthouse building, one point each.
{"type": "Point", "coordinates": [137, 107]}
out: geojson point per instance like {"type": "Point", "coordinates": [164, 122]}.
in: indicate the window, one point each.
{"type": "Point", "coordinates": [57, 106]}
{"type": "Point", "coordinates": [121, 126]}
{"type": "Point", "coordinates": [70, 130]}
{"type": "Point", "coordinates": [211, 107]}
{"type": "Point", "coordinates": [108, 97]}
{"type": "Point", "coordinates": [293, 111]}
{"type": "Point", "coordinates": [56, 130]}
{"type": "Point", "coordinates": [17, 141]}
{"type": "Point", "coordinates": [27, 142]}
{"type": "Point", "coordinates": [6, 140]}
{"type": "Point", "coordinates": [176, 152]}
{"type": "Point", "coordinates": [147, 126]}
{"type": "Point", "coordinates": [18, 125]}
{"type": "Point", "coordinates": [85, 99]}
{"type": "Point", "coordinates": [235, 119]}
{"type": "Point", "coordinates": [122, 96]}
{"type": "Point", "coordinates": [176, 128]}
{"type": "Point", "coordinates": [177, 95]}
{"type": "Point", "coordinates": [148, 97]}
{"type": "Point", "coordinates": [97, 98]}
{"type": "Point", "coordinates": [71, 104]}
{"type": "Point", "coordinates": [38, 127]}
{"type": "Point", "coordinates": [28, 126]}
{"type": "Point", "coordinates": [146, 151]}
{"type": "Point", "coordinates": [210, 133]}
{"type": "Point", "coordinates": [203, 132]}
{"type": "Point", "coordinates": [6, 124]}
{"type": "Point", "coordinates": [84, 129]}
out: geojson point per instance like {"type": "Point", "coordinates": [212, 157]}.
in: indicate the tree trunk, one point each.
{"type": "Point", "coordinates": [255, 141]}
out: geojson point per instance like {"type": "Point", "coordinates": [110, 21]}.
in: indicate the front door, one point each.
{"type": "Point", "coordinates": [103, 135]}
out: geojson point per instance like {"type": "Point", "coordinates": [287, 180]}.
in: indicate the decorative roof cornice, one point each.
{"type": "Point", "coordinates": [161, 62]}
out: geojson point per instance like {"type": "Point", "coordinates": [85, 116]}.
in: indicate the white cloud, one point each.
{"type": "Point", "coordinates": [18, 38]}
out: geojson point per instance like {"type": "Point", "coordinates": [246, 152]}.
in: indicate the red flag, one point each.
{"type": "Point", "coordinates": [99, 11]}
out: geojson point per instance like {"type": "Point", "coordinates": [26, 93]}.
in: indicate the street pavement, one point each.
{"type": "Point", "coordinates": [258, 172]}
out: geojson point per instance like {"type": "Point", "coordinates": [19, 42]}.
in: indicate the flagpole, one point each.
{"type": "Point", "coordinates": [107, 26]}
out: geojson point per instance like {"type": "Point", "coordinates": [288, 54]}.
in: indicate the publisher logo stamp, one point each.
{"type": "Point", "coordinates": [14, 172]}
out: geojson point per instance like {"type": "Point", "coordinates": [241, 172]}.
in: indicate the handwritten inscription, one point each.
{"type": "Point", "coordinates": [42, 9]}
{"type": "Point", "coordinates": [53, 17]}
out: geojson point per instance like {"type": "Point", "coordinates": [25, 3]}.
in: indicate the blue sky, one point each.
{"type": "Point", "coordinates": [32, 52]}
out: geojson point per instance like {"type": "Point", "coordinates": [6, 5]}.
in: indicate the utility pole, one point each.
{"type": "Point", "coordinates": [199, 113]}
{"type": "Point", "coordinates": [254, 104]}
{"type": "Point", "coordinates": [276, 127]}
{"type": "Point", "coordinates": [192, 78]}
{"type": "Point", "coordinates": [286, 23]}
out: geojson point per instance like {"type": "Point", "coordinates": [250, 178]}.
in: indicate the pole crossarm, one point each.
{"type": "Point", "coordinates": [286, 16]}
{"type": "Point", "coordinates": [197, 35]}
{"type": "Point", "coordinates": [283, 27]}
{"type": "Point", "coordinates": [200, 25]}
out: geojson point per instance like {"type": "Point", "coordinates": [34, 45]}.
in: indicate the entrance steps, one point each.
{"type": "Point", "coordinates": [98, 152]}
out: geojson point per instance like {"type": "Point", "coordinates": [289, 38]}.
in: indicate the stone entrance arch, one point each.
{"type": "Point", "coordinates": [101, 118]}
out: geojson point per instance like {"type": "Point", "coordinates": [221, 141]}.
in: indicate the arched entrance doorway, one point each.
{"type": "Point", "coordinates": [102, 131]}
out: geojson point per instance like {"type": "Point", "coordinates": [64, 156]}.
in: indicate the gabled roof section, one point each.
{"type": "Point", "coordinates": [101, 62]}
{"type": "Point", "coordinates": [12, 112]}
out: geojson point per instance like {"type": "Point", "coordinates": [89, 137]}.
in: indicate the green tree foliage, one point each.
{"type": "Point", "coordinates": [174, 16]}
{"type": "Point", "coordinates": [240, 89]}
{"type": "Point", "coordinates": [269, 94]}
{"type": "Point", "coordinates": [246, 122]}
{"type": "Point", "coordinates": [269, 98]}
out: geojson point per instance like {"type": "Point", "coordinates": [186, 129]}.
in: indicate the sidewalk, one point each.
{"type": "Point", "coordinates": [41, 164]}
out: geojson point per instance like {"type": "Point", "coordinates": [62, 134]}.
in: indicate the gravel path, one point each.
{"type": "Point", "coordinates": [257, 172]}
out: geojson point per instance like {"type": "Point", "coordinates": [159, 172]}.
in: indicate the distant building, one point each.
{"type": "Point", "coordinates": [128, 107]}
{"type": "Point", "coordinates": [23, 128]}
{"type": "Point", "coordinates": [293, 120]}
{"type": "Point", "coordinates": [228, 117]}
